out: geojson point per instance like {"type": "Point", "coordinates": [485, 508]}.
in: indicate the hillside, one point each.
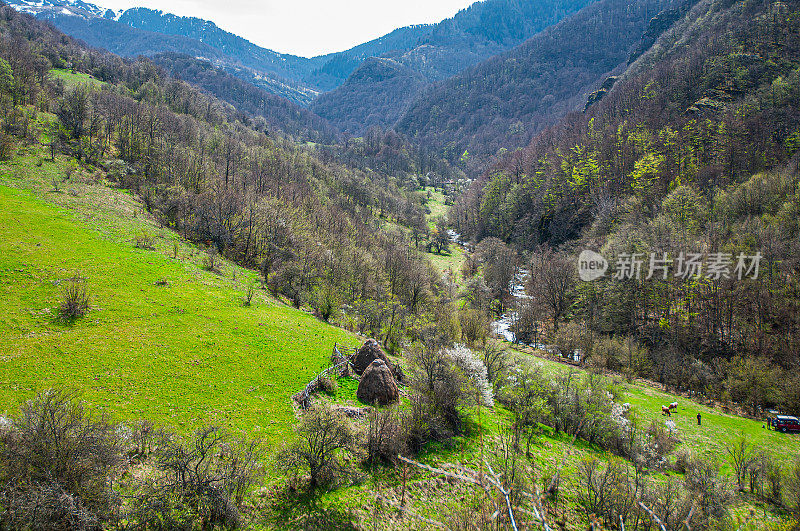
{"type": "Point", "coordinates": [505, 101]}
{"type": "Point", "coordinates": [432, 51]}
{"type": "Point", "coordinates": [375, 94]}
{"type": "Point", "coordinates": [141, 31]}
{"type": "Point", "coordinates": [472, 35]}
{"type": "Point", "coordinates": [693, 150]}
{"type": "Point", "coordinates": [280, 114]}
{"type": "Point", "coordinates": [191, 272]}
{"type": "Point", "coordinates": [165, 339]}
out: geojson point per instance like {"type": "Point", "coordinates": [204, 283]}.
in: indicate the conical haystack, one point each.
{"type": "Point", "coordinates": [377, 385]}
{"type": "Point", "coordinates": [368, 352]}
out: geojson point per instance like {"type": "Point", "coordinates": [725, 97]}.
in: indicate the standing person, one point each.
{"type": "Point", "coordinates": [698, 419]}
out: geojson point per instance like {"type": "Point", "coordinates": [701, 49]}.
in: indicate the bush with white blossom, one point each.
{"type": "Point", "coordinates": [475, 370]}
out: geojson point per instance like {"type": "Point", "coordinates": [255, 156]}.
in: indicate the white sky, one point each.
{"type": "Point", "coordinates": [305, 27]}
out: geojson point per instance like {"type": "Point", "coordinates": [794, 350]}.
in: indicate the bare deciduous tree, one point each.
{"type": "Point", "coordinates": [742, 456]}
{"type": "Point", "coordinates": [322, 436]}
{"type": "Point", "coordinates": [551, 283]}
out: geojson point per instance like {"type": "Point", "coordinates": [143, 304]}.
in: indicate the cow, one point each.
{"type": "Point", "coordinates": [665, 411]}
{"type": "Point", "coordinates": [673, 405]}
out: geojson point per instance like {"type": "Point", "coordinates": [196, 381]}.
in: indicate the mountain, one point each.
{"type": "Point", "coordinates": [690, 156]}
{"type": "Point", "coordinates": [684, 113]}
{"type": "Point", "coordinates": [434, 52]}
{"type": "Point", "coordinates": [141, 31]}
{"type": "Point", "coordinates": [372, 96]}
{"type": "Point", "coordinates": [476, 33]}
{"type": "Point", "coordinates": [504, 101]}
{"type": "Point", "coordinates": [279, 113]}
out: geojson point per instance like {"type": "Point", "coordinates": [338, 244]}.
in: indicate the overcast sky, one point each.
{"type": "Point", "coordinates": [305, 27]}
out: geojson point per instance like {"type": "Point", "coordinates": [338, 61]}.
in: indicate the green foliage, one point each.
{"type": "Point", "coordinates": [645, 171]}
{"type": "Point", "coordinates": [6, 78]}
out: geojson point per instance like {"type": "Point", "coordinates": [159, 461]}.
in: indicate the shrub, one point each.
{"type": "Point", "coordinates": [606, 492]}
{"type": "Point", "coordinates": [713, 492]}
{"type": "Point", "coordinates": [474, 325]}
{"type": "Point", "coordinates": [497, 361]}
{"type": "Point", "coordinates": [443, 392]}
{"type": "Point", "coordinates": [143, 438]}
{"type": "Point", "coordinates": [416, 424]}
{"type": "Point", "coordinates": [385, 438]}
{"type": "Point", "coordinates": [327, 385]}
{"type": "Point", "coordinates": [773, 477]}
{"type": "Point", "coordinates": [672, 504]}
{"type": "Point", "coordinates": [658, 445]}
{"type": "Point", "coordinates": [741, 455]}
{"type": "Point", "coordinates": [57, 180]}
{"type": "Point", "coordinates": [475, 371]}
{"type": "Point", "coordinates": [203, 479]}
{"type": "Point", "coordinates": [210, 261]}
{"type": "Point", "coordinates": [323, 435]}
{"type": "Point", "coordinates": [6, 146]}
{"type": "Point", "coordinates": [74, 298]}
{"type": "Point", "coordinates": [792, 488]}
{"type": "Point", "coordinates": [248, 295]}
{"type": "Point", "coordinates": [682, 461]}
{"type": "Point", "coordinates": [55, 463]}
{"type": "Point", "coordinates": [145, 241]}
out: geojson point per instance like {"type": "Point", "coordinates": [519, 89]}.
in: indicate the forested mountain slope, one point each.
{"type": "Point", "coordinates": [434, 51]}
{"type": "Point", "coordinates": [279, 113]}
{"type": "Point", "coordinates": [313, 226]}
{"type": "Point", "coordinates": [141, 31]}
{"type": "Point", "coordinates": [693, 151]}
{"type": "Point", "coordinates": [504, 101]}
{"type": "Point", "coordinates": [377, 95]}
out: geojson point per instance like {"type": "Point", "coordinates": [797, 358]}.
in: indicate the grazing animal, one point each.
{"type": "Point", "coordinates": [665, 411]}
{"type": "Point", "coordinates": [673, 405]}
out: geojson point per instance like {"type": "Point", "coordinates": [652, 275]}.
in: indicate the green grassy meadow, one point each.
{"type": "Point", "coordinates": [189, 352]}
{"type": "Point", "coordinates": [74, 78]}
{"type": "Point", "coordinates": [183, 354]}
{"type": "Point", "coordinates": [709, 440]}
{"type": "Point", "coordinates": [453, 260]}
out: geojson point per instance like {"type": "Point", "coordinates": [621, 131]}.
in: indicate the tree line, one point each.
{"type": "Point", "coordinates": [694, 150]}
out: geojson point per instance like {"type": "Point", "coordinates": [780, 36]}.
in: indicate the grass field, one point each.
{"type": "Point", "coordinates": [182, 354]}
{"type": "Point", "coordinates": [717, 431]}
{"type": "Point", "coordinates": [74, 78]}
{"type": "Point", "coordinates": [189, 352]}
{"type": "Point", "coordinates": [453, 260]}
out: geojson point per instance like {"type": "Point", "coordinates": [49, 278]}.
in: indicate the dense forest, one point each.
{"type": "Point", "coordinates": [281, 114]}
{"type": "Point", "coordinates": [694, 150]}
{"type": "Point", "coordinates": [502, 103]}
{"type": "Point", "coordinates": [375, 94]}
{"type": "Point", "coordinates": [378, 92]}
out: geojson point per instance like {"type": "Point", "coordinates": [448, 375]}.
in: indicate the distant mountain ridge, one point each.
{"type": "Point", "coordinates": [143, 31]}
{"type": "Point", "coordinates": [434, 51]}
{"type": "Point", "coordinates": [503, 102]}
{"type": "Point", "coordinates": [474, 34]}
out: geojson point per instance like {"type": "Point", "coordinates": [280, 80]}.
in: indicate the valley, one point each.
{"type": "Point", "coordinates": [534, 266]}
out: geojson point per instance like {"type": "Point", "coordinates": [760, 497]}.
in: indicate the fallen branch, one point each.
{"type": "Point", "coordinates": [653, 516]}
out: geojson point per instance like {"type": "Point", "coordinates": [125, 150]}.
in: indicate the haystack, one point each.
{"type": "Point", "coordinates": [368, 352]}
{"type": "Point", "coordinates": [377, 385]}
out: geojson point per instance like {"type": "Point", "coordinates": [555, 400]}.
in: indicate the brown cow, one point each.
{"type": "Point", "coordinates": [665, 411]}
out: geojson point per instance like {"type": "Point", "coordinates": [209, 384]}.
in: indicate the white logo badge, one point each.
{"type": "Point", "coordinates": [591, 266]}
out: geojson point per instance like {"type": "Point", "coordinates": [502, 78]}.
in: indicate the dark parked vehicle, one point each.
{"type": "Point", "coordinates": [784, 423]}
